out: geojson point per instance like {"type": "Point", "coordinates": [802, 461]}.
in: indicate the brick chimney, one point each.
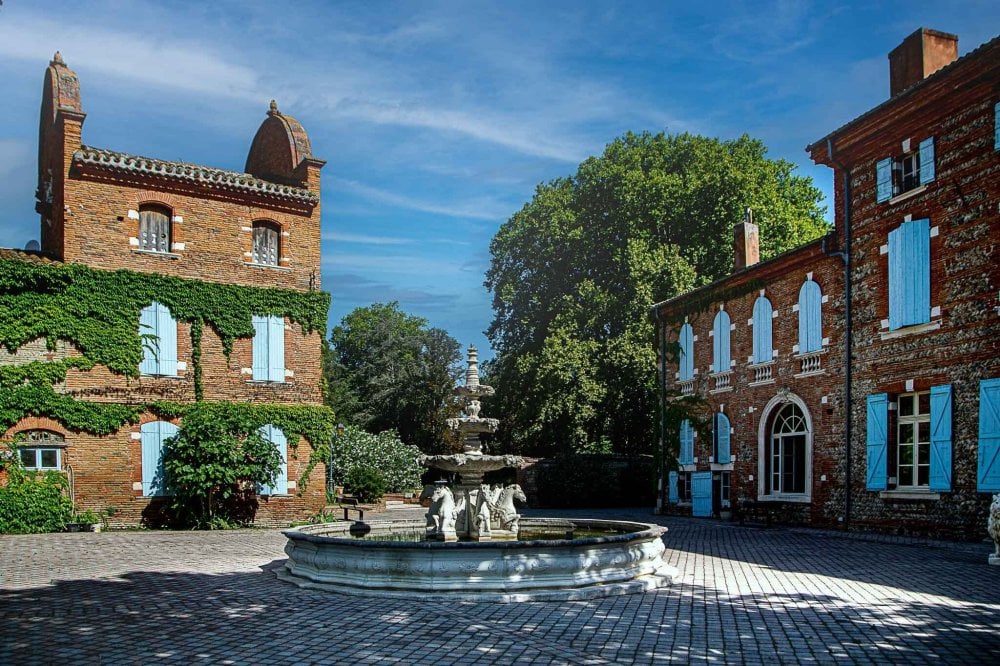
{"type": "Point", "coordinates": [746, 242]}
{"type": "Point", "coordinates": [920, 55]}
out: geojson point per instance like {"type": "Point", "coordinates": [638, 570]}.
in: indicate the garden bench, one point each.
{"type": "Point", "coordinates": [349, 504]}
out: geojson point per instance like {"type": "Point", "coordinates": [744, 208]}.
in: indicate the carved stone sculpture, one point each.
{"type": "Point", "coordinates": [993, 527]}
{"type": "Point", "coordinates": [505, 516]}
{"type": "Point", "coordinates": [442, 513]}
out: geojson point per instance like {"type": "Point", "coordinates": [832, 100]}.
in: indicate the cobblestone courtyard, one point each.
{"type": "Point", "coordinates": [744, 595]}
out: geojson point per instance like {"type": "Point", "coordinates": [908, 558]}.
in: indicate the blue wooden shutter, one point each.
{"type": "Point", "coordinates": [722, 455]}
{"type": "Point", "coordinates": [260, 348]}
{"type": "Point", "coordinates": [275, 435]}
{"type": "Point", "coordinates": [685, 452]}
{"type": "Point", "coordinates": [810, 317]}
{"type": "Point", "coordinates": [909, 274]}
{"type": "Point", "coordinates": [672, 496]}
{"type": "Point", "coordinates": [150, 345]}
{"type": "Point", "coordinates": [762, 347]}
{"type": "Point", "coordinates": [877, 441]}
{"type": "Point", "coordinates": [883, 179]}
{"type": "Point", "coordinates": [996, 126]}
{"type": "Point", "coordinates": [152, 437]}
{"type": "Point", "coordinates": [941, 438]}
{"type": "Point", "coordinates": [276, 349]}
{"type": "Point", "coordinates": [166, 329]}
{"type": "Point", "coordinates": [927, 160]}
{"type": "Point", "coordinates": [686, 361]}
{"type": "Point", "coordinates": [721, 358]}
{"type": "Point", "coordinates": [988, 472]}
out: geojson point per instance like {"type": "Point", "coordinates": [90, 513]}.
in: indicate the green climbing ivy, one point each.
{"type": "Point", "coordinates": [98, 311]}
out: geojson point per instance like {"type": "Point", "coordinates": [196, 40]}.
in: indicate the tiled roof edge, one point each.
{"type": "Point", "coordinates": [190, 173]}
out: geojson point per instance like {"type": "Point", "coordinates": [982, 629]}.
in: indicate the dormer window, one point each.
{"type": "Point", "coordinates": [266, 243]}
{"type": "Point", "coordinates": [154, 229]}
{"type": "Point", "coordinates": [899, 175]}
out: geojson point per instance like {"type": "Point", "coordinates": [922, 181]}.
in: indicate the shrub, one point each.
{"type": "Point", "coordinates": [365, 483]}
{"type": "Point", "coordinates": [579, 481]}
{"type": "Point", "coordinates": [383, 454]}
{"type": "Point", "coordinates": [32, 502]}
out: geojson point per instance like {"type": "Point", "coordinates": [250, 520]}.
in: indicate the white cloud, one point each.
{"type": "Point", "coordinates": [344, 237]}
{"type": "Point", "coordinates": [483, 208]}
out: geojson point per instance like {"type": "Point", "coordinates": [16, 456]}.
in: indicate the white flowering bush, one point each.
{"type": "Point", "coordinates": [383, 454]}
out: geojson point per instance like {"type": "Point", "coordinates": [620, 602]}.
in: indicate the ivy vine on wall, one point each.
{"type": "Point", "coordinates": [98, 312]}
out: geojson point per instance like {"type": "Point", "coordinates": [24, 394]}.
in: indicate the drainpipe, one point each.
{"type": "Point", "coordinates": [848, 331]}
{"type": "Point", "coordinates": [662, 389]}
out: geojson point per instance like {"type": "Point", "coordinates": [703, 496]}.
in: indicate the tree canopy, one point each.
{"type": "Point", "coordinates": [574, 272]}
{"type": "Point", "coordinates": [388, 370]}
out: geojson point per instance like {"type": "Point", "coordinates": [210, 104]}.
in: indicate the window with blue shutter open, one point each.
{"type": "Point", "coordinates": [268, 349]}
{"type": "Point", "coordinates": [720, 342]}
{"type": "Point", "coordinates": [877, 440]}
{"type": "Point", "coordinates": [762, 346]}
{"type": "Point", "coordinates": [927, 160]}
{"type": "Point", "coordinates": [158, 330]}
{"type": "Point", "coordinates": [810, 317]}
{"type": "Point", "coordinates": [883, 180]}
{"type": "Point", "coordinates": [898, 175]}
{"type": "Point", "coordinates": [988, 464]}
{"type": "Point", "coordinates": [940, 473]}
{"type": "Point", "coordinates": [909, 274]}
{"type": "Point", "coordinates": [277, 437]}
{"type": "Point", "coordinates": [686, 361]}
{"type": "Point", "coordinates": [672, 495]}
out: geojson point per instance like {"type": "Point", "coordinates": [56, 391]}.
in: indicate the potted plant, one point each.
{"type": "Point", "coordinates": [86, 521]}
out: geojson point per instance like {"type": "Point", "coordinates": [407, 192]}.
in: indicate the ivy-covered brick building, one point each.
{"type": "Point", "coordinates": [855, 381]}
{"type": "Point", "coordinates": [159, 285]}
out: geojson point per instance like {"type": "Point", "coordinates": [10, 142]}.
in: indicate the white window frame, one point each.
{"type": "Point", "coordinates": [37, 450]}
{"type": "Point", "coordinates": [764, 448]}
{"type": "Point", "coordinates": [913, 421]}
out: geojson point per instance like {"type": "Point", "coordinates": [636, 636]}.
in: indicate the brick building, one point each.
{"type": "Point", "coordinates": [869, 396]}
{"type": "Point", "coordinates": [251, 236]}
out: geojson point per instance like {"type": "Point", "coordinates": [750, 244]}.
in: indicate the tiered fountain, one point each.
{"type": "Point", "coordinates": [473, 510]}
{"type": "Point", "coordinates": [473, 546]}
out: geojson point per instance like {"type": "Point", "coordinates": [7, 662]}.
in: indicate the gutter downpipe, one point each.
{"type": "Point", "coordinates": [848, 333]}
{"type": "Point", "coordinates": [662, 388]}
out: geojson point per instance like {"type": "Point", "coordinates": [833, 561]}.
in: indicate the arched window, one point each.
{"type": "Point", "coordinates": [153, 435]}
{"type": "Point", "coordinates": [810, 317]}
{"type": "Point", "coordinates": [720, 438]}
{"type": "Point", "coordinates": [720, 342]}
{"type": "Point", "coordinates": [266, 243]}
{"type": "Point", "coordinates": [686, 361]}
{"type": "Point", "coordinates": [763, 349]}
{"type": "Point", "coordinates": [42, 449]}
{"type": "Point", "coordinates": [786, 452]}
{"type": "Point", "coordinates": [154, 228]}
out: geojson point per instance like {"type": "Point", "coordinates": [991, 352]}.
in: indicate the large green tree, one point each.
{"type": "Point", "coordinates": [389, 370]}
{"type": "Point", "coordinates": [574, 272]}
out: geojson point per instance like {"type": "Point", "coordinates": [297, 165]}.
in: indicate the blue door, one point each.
{"type": "Point", "coordinates": [701, 494]}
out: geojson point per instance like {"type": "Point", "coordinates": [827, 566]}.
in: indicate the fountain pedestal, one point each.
{"type": "Point", "coordinates": [472, 509]}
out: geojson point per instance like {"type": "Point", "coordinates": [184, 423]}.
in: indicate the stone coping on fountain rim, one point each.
{"type": "Point", "coordinates": [634, 532]}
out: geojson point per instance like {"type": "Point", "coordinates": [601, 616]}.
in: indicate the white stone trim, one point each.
{"type": "Point", "coordinates": [133, 214]}
{"type": "Point", "coordinates": [935, 230]}
{"type": "Point", "coordinates": [177, 219]}
{"type": "Point", "coordinates": [133, 241]}
{"type": "Point", "coordinates": [883, 249]}
{"type": "Point", "coordinates": [178, 247]}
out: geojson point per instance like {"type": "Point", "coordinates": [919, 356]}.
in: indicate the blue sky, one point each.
{"type": "Point", "coordinates": [438, 119]}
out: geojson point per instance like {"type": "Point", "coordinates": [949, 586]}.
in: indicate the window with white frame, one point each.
{"type": "Point", "coordinates": [684, 486]}
{"type": "Point", "coordinates": [913, 440]}
{"type": "Point", "coordinates": [154, 228]}
{"type": "Point", "coordinates": [266, 243]}
{"type": "Point", "coordinates": [725, 488]}
{"type": "Point", "coordinates": [785, 459]}
{"type": "Point", "coordinates": [268, 349]}
{"type": "Point", "coordinates": [908, 171]}
{"type": "Point", "coordinates": [36, 455]}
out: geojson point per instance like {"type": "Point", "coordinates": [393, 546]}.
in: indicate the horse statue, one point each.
{"type": "Point", "coordinates": [993, 525]}
{"type": "Point", "coordinates": [487, 505]}
{"type": "Point", "coordinates": [442, 513]}
{"type": "Point", "coordinates": [504, 515]}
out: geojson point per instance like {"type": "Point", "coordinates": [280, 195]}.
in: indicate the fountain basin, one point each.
{"type": "Point", "coordinates": [629, 559]}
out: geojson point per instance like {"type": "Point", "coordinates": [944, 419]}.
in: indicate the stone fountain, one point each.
{"type": "Point", "coordinates": [473, 510]}
{"type": "Point", "coordinates": [473, 546]}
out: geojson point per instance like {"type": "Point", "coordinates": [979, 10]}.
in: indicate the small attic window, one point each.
{"type": "Point", "coordinates": [266, 239]}
{"type": "Point", "coordinates": [154, 229]}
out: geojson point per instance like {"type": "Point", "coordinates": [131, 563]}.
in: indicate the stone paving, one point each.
{"type": "Point", "coordinates": [745, 595]}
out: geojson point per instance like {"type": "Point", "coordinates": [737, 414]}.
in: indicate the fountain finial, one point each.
{"type": "Point", "coordinates": [472, 372]}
